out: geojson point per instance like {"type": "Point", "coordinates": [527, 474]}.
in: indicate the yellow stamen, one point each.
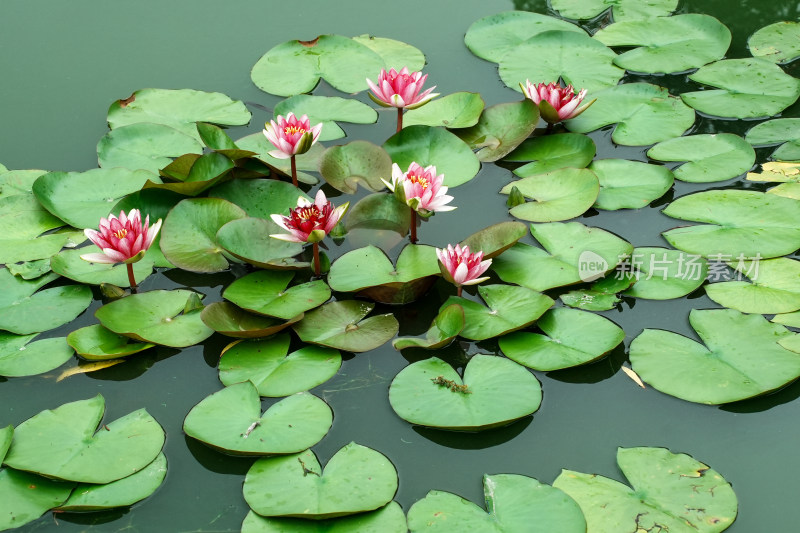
{"type": "Point", "coordinates": [120, 234]}
{"type": "Point", "coordinates": [419, 180]}
{"type": "Point", "coordinates": [290, 130]}
{"type": "Point", "coordinates": [308, 213]}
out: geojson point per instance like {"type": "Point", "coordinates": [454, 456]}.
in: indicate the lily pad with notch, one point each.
{"type": "Point", "coordinates": [629, 184]}
{"type": "Point", "coordinates": [457, 110]}
{"type": "Point", "coordinates": [96, 343]}
{"type": "Point", "coordinates": [20, 355]}
{"type": "Point", "coordinates": [773, 287]}
{"type": "Point", "coordinates": [233, 321]}
{"type": "Point", "coordinates": [557, 195]}
{"type": "Point", "coordinates": [500, 129]}
{"type": "Point", "coordinates": [395, 54]}
{"type": "Point", "coordinates": [341, 325]}
{"type": "Point", "coordinates": [553, 152]}
{"type": "Point", "coordinates": [445, 327]}
{"type": "Point", "coordinates": [328, 110]}
{"type": "Point", "coordinates": [711, 158]}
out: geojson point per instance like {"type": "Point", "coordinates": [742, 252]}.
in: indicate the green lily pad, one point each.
{"type": "Point", "coordinates": [746, 223]}
{"type": "Point", "coordinates": [188, 237]}
{"type": "Point", "coordinates": [494, 392]}
{"type": "Point", "coordinates": [339, 325]}
{"type": "Point", "coordinates": [787, 190]}
{"type": "Point", "coordinates": [6, 435]}
{"type": "Point", "coordinates": [558, 195]}
{"type": "Point", "coordinates": [265, 293]}
{"type": "Point", "coordinates": [710, 157]}
{"type": "Point", "coordinates": [44, 247]}
{"type": "Point", "coordinates": [509, 308]}
{"type": "Point", "coordinates": [62, 443]}
{"type": "Point", "coordinates": [778, 130]}
{"type": "Point", "coordinates": [388, 519]}
{"type": "Point", "coordinates": [68, 263]}
{"type": "Point", "coordinates": [203, 173]}
{"type": "Point", "coordinates": [495, 239]}
{"type": "Point", "coordinates": [602, 295]}
{"type": "Point", "coordinates": [120, 493]}
{"type": "Point", "coordinates": [776, 42]}
{"type": "Point", "coordinates": [370, 271]}
{"type": "Point", "coordinates": [248, 239]}
{"type": "Point", "coordinates": [571, 338]}
{"type": "Point", "coordinates": [260, 198]}
{"type": "Point", "coordinates": [671, 492]}
{"type": "Point", "coordinates": [788, 319]}
{"type": "Point", "coordinates": [446, 327]}
{"type": "Point", "coordinates": [296, 67]}
{"type": "Point", "coordinates": [723, 370]}
{"type": "Point", "coordinates": [328, 110]}
{"type": "Point", "coordinates": [23, 217]}
{"type": "Point", "coordinates": [82, 198]}
{"type": "Point", "coordinates": [356, 479]}
{"type": "Point", "coordinates": [457, 110]}
{"type": "Point", "coordinates": [13, 182]}
{"type": "Point", "coordinates": [574, 57]}
{"type": "Point", "coordinates": [514, 503]}
{"type": "Point", "coordinates": [26, 497]}
{"type": "Point", "coordinates": [97, 343]}
{"type": "Point", "coordinates": [259, 144]}
{"type": "Point", "coordinates": [774, 287]}
{"type": "Point", "coordinates": [663, 274]}
{"type": "Point", "coordinates": [20, 357]}
{"type": "Point", "coordinates": [344, 167]}
{"type": "Point", "coordinates": [379, 212]}
{"type": "Point", "coordinates": [434, 146]}
{"type": "Point", "coordinates": [500, 129]}
{"type": "Point", "coordinates": [158, 317]}
{"type": "Point", "coordinates": [621, 9]}
{"type": "Point", "coordinates": [30, 269]}
{"type": "Point", "coordinates": [144, 146]}
{"type": "Point", "coordinates": [179, 109]}
{"type": "Point", "coordinates": [553, 152]}
{"type": "Point", "coordinates": [231, 421]}
{"type": "Point", "coordinates": [491, 37]}
{"type": "Point", "coordinates": [747, 88]}
{"type": "Point", "coordinates": [395, 54]}
{"type": "Point", "coordinates": [644, 114]}
{"type": "Point", "coordinates": [572, 253]}
{"type": "Point", "coordinates": [629, 184]}
{"type": "Point", "coordinates": [265, 363]}
{"type": "Point", "coordinates": [233, 321]}
{"type": "Point", "coordinates": [667, 44]}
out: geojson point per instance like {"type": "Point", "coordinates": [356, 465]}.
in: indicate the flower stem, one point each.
{"type": "Point", "coordinates": [294, 172]}
{"type": "Point", "coordinates": [131, 279]}
{"type": "Point", "coordinates": [399, 119]}
{"type": "Point", "coordinates": [549, 128]}
{"type": "Point", "coordinates": [316, 259]}
{"type": "Point", "coordinates": [413, 237]}
{"type": "Point", "coordinates": [458, 293]}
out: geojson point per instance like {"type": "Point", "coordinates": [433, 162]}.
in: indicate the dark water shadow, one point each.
{"type": "Point", "coordinates": [462, 440]}
{"type": "Point", "coordinates": [453, 354]}
{"type": "Point", "coordinates": [763, 403]}
{"type": "Point", "coordinates": [91, 518]}
{"type": "Point", "coordinates": [134, 366]}
{"type": "Point", "coordinates": [218, 462]}
{"type": "Point", "coordinates": [593, 372]}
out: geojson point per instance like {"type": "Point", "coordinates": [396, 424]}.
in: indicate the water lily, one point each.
{"type": "Point", "coordinates": [555, 103]}
{"type": "Point", "coordinates": [122, 240]}
{"type": "Point", "coordinates": [462, 267]}
{"type": "Point", "coordinates": [291, 136]}
{"type": "Point", "coordinates": [421, 189]}
{"type": "Point", "coordinates": [400, 90]}
{"type": "Point", "coordinates": [310, 222]}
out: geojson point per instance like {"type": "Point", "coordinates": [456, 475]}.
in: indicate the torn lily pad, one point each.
{"type": "Point", "coordinates": [710, 158]}
{"type": "Point", "coordinates": [342, 325]}
{"type": "Point", "coordinates": [96, 343]}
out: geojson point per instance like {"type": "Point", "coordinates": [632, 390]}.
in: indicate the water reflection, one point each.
{"type": "Point", "coordinates": [218, 462]}
{"type": "Point", "coordinates": [475, 441]}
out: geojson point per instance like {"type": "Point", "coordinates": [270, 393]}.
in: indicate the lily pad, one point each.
{"type": "Point", "coordinates": [553, 152]}
{"type": "Point", "coordinates": [356, 479]}
{"type": "Point", "coordinates": [746, 223]}
{"type": "Point", "coordinates": [671, 492]}
{"type": "Point", "coordinates": [26, 497]}
{"type": "Point", "coordinates": [62, 443]}
{"type": "Point", "coordinates": [248, 239]}
{"type": "Point", "coordinates": [777, 171]}
{"type": "Point", "coordinates": [513, 502]}
{"type": "Point", "coordinates": [22, 217]}
{"type": "Point", "coordinates": [747, 88]}
{"type": "Point", "coordinates": [358, 162]}
{"type": "Point", "coordinates": [776, 42]}
{"type": "Point", "coordinates": [629, 184]}
{"type": "Point", "coordinates": [446, 327]}
{"type": "Point", "coordinates": [260, 198]}
{"type": "Point", "coordinates": [21, 357]}
{"type": "Point", "coordinates": [197, 175]}
{"type": "Point", "coordinates": [328, 110]}
{"type": "Point", "coordinates": [572, 253]}
{"type": "Point", "coordinates": [723, 370]}
{"type": "Point", "coordinates": [339, 325]}
{"type": "Point", "coordinates": [495, 239]}
{"type": "Point", "coordinates": [265, 293]}
{"type": "Point", "coordinates": [231, 421]}
{"type": "Point", "coordinates": [265, 363]}
{"type": "Point", "coordinates": [644, 114]}
{"type": "Point", "coordinates": [434, 146]}
{"type": "Point", "coordinates": [120, 493]}
{"type": "Point", "coordinates": [30, 269]}
{"type": "Point", "coordinates": [774, 287]}
{"type": "Point", "coordinates": [576, 58]}
{"type": "Point", "coordinates": [500, 129]}
{"type": "Point", "coordinates": [44, 247]}
{"type": "Point", "coordinates": [6, 436]}
{"type": "Point", "coordinates": [602, 295]}
{"type": "Point", "coordinates": [97, 343]}
{"type": "Point", "coordinates": [494, 392]}
{"type": "Point", "coordinates": [158, 317]}
{"type": "Point", "coordinates": [571, 338]}
{"type": "Point", "coordinates": [663, 274]}
{"type": "Point", "coordinates": [68, 263]}
{"type": "Point", "coordinates": [296, 67]}
{"type": "Point", "coordinates": [379, 212]}
{"type": "Point", "coordinates": [230, 320]}
{"type": "Point", "coordinates": [710, 157]}
{"type": "Point", "coordinates": [621, 9]}
{"type": "Point", "coordinates": [188, 238]}
{"type": "Point", "coordinates": [145, 146]}
{"type": "Point", "coordinates": [787, 190]}
{"type": "Point", "coordinates": [13, 182]}
{"type": "Point", "coordinates": [395, 54]}
{"type": "Point", "coordinates": [388, 519]}
{"type": "Point", "coordinates": [667, 44]}
{"type": "Point", "coordinates": [308, 161]}
{"type": "Point", "coordinates": [778, 130]}
{"type": "Point", "coordinates": [558, 195]}
{"type": "Point", "coordinates": [457, 110]}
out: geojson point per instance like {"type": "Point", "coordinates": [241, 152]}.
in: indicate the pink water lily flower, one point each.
{"type": "Point", "coordinates": [309, 222]}
{"type": "Point", "coordinates": [400, 89]}
{"type": "Point", "coordinates": [122, 240]}
{"type": "Point", "coordinates": [555, 103]}
{"type": "Point", "coordinates": [291, 135]}
{"type": "Point", "coordinates": [461, 266]}
{"type": "Point", "coordinates": [420, 188]}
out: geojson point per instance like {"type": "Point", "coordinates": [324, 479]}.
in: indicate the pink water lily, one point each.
{"type": "Point", "coordinates": [461, 266]}
{"type": "Point", "coordinates": [420, 188]}
{"type": "Point", "coordinates": [555, 103]}
{"type": "Point", "coordinates": [400, 89]}
{"type": "Point", "coordinates": [291, 135]}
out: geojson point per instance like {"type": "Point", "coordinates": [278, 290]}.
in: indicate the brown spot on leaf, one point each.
{"type": "Point", "coordinates": [128, 100]}
{"type": "Point", "coordinates": [309, 44]}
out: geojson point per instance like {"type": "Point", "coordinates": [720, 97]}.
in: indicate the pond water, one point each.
{"type": "Point", "coordinates": [64, 63]}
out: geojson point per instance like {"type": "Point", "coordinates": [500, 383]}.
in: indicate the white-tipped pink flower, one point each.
{"type": "Point", "coordinates": [122, 240]}
{"type": "Point", "coordinates": [309, 222]}
{"type": "Point", "coordinates": [291, 135]}
{"type": "Point", "coordinates": [461, 266]}
{"type": "Point", "coordinates": [555, 103]}
{"type": "Point", "coordinates": [420, 188]}
{"type": "Point", "coordinates": [400, 89]}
